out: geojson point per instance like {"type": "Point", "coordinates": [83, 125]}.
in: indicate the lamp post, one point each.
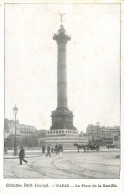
{"type": "Point", "coordinates": [15, 110]}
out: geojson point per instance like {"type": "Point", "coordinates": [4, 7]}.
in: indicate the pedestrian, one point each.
{"type": "Point", "coordinates": [56, 149]}
{"type": "Point", "coordinates": [43, 148]}
{"type": "Point", "coordinates": [48, 150]}
{"type": "Point", "coordinates": [60, 150]}
{"type": "Point", "coordinates": [22, 155]}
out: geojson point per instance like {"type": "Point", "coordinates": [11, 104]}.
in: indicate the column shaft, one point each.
{"type": "Point", "coordinates": [61, 76]}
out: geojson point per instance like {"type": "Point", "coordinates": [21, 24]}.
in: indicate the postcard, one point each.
{"type": "Point", "coordinates": [61, 70]}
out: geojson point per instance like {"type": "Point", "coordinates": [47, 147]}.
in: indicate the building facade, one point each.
{"type": "Point", "coordinates": [104, 135]}
{"type": "Point", "coordinates": [25, 134]}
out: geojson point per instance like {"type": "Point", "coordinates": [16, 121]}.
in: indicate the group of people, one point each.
{"type": "Point", "coordinates": [57, 149]}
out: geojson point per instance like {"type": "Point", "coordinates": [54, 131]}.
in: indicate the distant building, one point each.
{"type": "Point", "coordinates": [42, 133]}
{"type": "Point", "coordinates": [9, 125]}
{"type": "Point", "coordinates": [104, 135]}
{"type": "Point", "coordinates": [23, 132]}
{"type": "Point", "coordinates": [27, 130]}
{"type": "Point", "coordinates": [9, 128]}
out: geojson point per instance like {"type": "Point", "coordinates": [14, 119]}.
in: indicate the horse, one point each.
{"type": "Point", "coordinates": [79, 146]}
{"type": "Point", "coordinates": [87, 147]}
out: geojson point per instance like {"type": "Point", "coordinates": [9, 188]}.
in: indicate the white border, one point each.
{"type": "Point", "coordinates": [3, 182]}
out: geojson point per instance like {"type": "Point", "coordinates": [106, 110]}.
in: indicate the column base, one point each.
{"type": "Point", "coordinates": [62, 118]}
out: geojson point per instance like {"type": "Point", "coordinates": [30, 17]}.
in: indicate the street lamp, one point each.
{"type": "Point", "coordinates": [15, 110]}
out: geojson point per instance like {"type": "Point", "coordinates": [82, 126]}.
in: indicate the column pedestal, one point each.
{"type": "Point", "coordinates": [62, 118]}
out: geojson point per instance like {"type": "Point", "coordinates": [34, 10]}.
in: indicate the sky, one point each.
{"type": "Point", "coordinates": [93, 62]}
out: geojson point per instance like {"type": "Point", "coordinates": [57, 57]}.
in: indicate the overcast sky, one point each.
{"type": "Point", "coordinates": [93, 62]}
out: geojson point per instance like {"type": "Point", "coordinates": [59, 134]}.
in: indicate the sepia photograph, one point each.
{"type": "Point", "coordinates": [62, 91]}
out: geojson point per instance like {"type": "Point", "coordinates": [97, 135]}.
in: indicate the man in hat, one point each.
{"type": "Point", "coordinates": [22, 155]}
{"type": "Point", "coordinates": [48, 150]}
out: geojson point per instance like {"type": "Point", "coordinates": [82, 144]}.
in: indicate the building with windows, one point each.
{"type": "Point", "coordinates": [27, 131]}
{"type": "Point", "coordinates": [104, 135]}
{"type": "Point", "coordinates": [24, 133]}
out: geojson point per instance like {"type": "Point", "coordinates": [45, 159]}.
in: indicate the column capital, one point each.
{"type": "Point", "coordinates": [61, 36]}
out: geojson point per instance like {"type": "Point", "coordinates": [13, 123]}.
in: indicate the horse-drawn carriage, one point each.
{"type": "Point", "coordinates": [87, 147]}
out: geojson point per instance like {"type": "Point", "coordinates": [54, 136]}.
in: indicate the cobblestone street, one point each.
{"type": "Point", "coordinates": [92, 165]}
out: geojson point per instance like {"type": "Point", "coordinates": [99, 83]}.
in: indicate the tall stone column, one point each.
{"type": "Point", "coordinates": [62, 117]}
{"type": "Point", "coordinates": [61, 39]}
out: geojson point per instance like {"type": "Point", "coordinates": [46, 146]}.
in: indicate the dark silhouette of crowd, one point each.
{"type": "Point", "coordinates": [50, 149]}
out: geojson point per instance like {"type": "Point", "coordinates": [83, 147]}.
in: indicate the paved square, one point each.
{"type": "Point", "coordinates": [72, 165]}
